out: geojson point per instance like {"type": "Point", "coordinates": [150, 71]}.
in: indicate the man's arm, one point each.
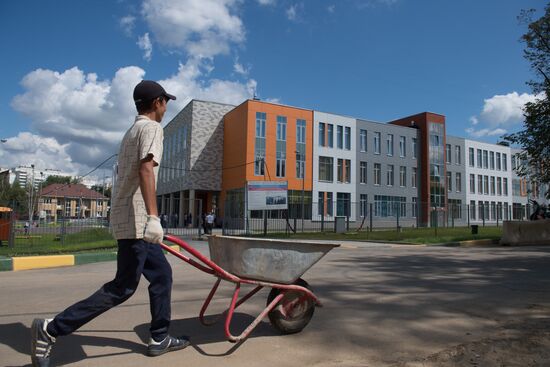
{"type": "Point", "coordinates": [147, 185]}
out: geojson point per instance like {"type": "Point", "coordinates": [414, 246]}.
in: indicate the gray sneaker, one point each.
{"type": "Point", "coordinates": [169, 344]}
{"type": "Point", "coordinates": [41, 343]}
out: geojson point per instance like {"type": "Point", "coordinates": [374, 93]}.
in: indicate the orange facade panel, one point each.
{"type": "Point", "coordinates": [239, 146]}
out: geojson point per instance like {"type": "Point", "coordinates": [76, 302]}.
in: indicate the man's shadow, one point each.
{"type": "Point", "coordinates": [68, 349]}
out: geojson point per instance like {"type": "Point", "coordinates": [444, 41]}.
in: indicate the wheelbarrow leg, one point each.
{"type": "Point", "coordinates": [248, 330]}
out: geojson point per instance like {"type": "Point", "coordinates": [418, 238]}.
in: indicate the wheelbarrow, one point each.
{"type": "Point", "coordinates": [276, 264]}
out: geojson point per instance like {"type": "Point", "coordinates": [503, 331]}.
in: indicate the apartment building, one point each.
{"type": "Point", "coordinates": [71, 201]}
{"type": "Point", "coordinates": [456, 180]}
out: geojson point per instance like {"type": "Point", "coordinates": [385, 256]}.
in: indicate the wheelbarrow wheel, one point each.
{"type": "Point", "coordinates": [298, 316]}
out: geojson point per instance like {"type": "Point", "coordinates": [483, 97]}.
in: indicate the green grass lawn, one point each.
{"type": "Point", "coordinates": [96, 239]}
{"type": "Point", "coordinates": [417, 236]}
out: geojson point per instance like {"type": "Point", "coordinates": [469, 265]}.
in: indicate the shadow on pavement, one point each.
{"type": "Point", "coordinates": [201, 335]}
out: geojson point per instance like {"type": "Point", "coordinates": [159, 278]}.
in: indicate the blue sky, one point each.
{"type": "Point", "coordinates": [69, 67]}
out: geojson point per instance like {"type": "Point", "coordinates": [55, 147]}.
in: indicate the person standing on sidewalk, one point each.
{"type": "Point", "coordinates": [136, 226]}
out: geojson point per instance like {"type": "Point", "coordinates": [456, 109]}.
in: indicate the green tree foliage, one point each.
{"type": "Point", "coordinates": [56, 180]}
{"type": "Point", "coordinates": [534, 139]}
{"type": "Point", "coordinates": [13, 196]}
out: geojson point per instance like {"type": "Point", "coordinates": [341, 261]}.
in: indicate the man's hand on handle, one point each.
{"type": "Point", "coordinates": [153, 230]}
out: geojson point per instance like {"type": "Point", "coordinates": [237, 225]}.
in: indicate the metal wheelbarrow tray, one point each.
{"type": "Point", "coordinates": [277, 264]}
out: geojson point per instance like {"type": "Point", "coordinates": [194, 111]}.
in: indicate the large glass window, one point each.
{"type": "Point", "coordinates": [376, 143]}
{"type": "Point", "coordinates": [402, 147]}
{"type": "Point", "coordinates": [486, 185]}
{"type": "Point", "coordinates": [458, 156]}
{"type": "Point", "coordinates": [363, 140]}
{"type": "Point", "coordinates": [363, 172]}
{"type": "Point", "coordinates": [471, 156]}
{"type": "Point", "coordinates": [436, 154]}
{"type": "Point", "coordinates": [340, 137]}
{"type": "Point", "coordinates": [259, 147]}
{"type": "Point", "coordinates": [324, 203]}
{"type": "Point", "coordinates": [377, 174]}
{"type": "Point", "coordinates": [493, 183]}
{"type": "Point", "coordinates": [498, 161]}
{"type": "Point", "coordinates": [414, 177]}
{"type": "Point", "coordinates": [505, 186]}
{"type": "Point", "coordinates": [414, 148]}
{"type": "Point", "coordinates": [449, 182]}
{"type": "Point", "coordinates": [499, 186]}
{"type": "Point", "coordinates": [485, 159]}
{"type": "Point", "coordinates": [347, 138]}
{"type": "Point", "coordinates": [344, 171]}
{"type": "Point", "coordinates": [322, 134]}
{"type": "Point", "coordinates": [448, 153]}
{"type": "Point", "coordinates": [402, 176]}
{"type": "Point", "coordinates": [472, 184]}
{"type": "Point", "coordinates": [389, 175]}
{"type": "Point", "coordinates": [326, 169]}
{"type": "Point", "coordinates": [504, 162]}
{"type": "Point", "coordinates": [479, 158]}
{"type": "Point", "coordinates": [363, 203]}
{"type": "Point", "coordinates": [458, 179]}
{"type": "Point", "coordinates": [281, 146]}
{"type": "Point", "coordinates": [300, 148]}
{"type": "Point", "coordinates": [343, 204]}
{"type": "Point", "coordinates": [389, 144]}
{"type": "Point", "coordinates": [479, 184]}
{"type": "Point", "coordinates": [389, 206]}
{"type": "Point", "coordinates": [492, 160]}
{"type": "Point", "coordinates": [330, 135]}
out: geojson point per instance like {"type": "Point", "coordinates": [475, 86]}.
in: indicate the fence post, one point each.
{"type": "Point", "coordinates": [453, 206]}
{"type": "Point", "coordinates": [397, 212]}
{"type": "Point", "coordinates": [498, 212]}
{"type": "Point", "coordinates": [483, 212]}
{"type": "Point", "coordinates": [347, 222]}
{"type": "Point", "coordinates": [468, 213]}
{"type": "Point", "coordinates": [199, 217]}
{"type": "Point", "coordinates": [370, 217]}
{"type": "Point", "coordinates": [11, 239]}
{"type": "Point", "coordinates": [323, 221]}
{"type": "Point", "coordinates": [434, 216]}
{"type": "Point", "coordinates": [63, 221]}
{"type": "Point", "coordinates": [265, 223]}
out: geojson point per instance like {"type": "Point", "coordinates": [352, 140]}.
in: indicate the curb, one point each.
{"type": "Point", "coordinates": [19, 263]}
{"type": "Point", "coordinates": [470, 243]}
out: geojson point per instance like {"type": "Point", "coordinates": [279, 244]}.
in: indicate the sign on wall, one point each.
{"type": "Point", "coordinates": [267, 195]}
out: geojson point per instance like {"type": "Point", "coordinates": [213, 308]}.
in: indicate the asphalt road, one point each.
{"type": "Point", "coordinates": [385, 305]}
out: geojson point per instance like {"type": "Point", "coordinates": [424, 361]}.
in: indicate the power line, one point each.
{"type": "Point", "coordinates": [205, 170]}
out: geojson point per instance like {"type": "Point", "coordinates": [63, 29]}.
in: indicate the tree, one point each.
{"type": "Point", "coordinates": [56, 180]}
{"type": "Point", "coordinates": [534, 139]}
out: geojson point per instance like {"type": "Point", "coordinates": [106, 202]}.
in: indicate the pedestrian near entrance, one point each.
{"type": "Point", "coordinates": [136, 226]}
{"type": "Point", "coordinates": [210, 222]}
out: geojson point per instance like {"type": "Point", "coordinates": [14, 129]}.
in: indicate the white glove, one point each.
{"type": "Point", "coordinates": [153, 232]}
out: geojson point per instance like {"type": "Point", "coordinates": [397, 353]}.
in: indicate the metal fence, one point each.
{"type": "Point", "coordinates": [363, 216]}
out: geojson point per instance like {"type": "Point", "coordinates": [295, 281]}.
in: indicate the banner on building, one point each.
{"type": "Point", "coordinates": [267, 195]}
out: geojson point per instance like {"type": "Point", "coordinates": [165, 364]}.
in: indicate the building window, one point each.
{"type": "Point", "coordinates": [448, 153]}
{"type": "Point", "coordinates": [376, 143]}
{"type": "Point", "coordinates": [415, 207]}
{"type": "Point", "coordinates": [479, 159]}
{"type": "Point", "coordinates": [347, 138]}
{"type": "Point", "coordinates": [389, 175]}
{"type": "Point", "coordinates": [389, 144]}
{"type": "Point", "coordinates": [322, 141]}
{"type": "Point", "coordinates": [363, 203]}
{"type": "Point", "coordinates": [458, 179]}
{"type": "Point", "coordinates": [377, 173]}
{"type": "Point", "coordinates": [414, 148]}
{"type": "Point", "coordinates": [339, 137]}
{"type": "Point", "coordinates": [389, 206]}
{"type": "Point", "coordinates": [492, 160]}
{"type": "Point", "coordinates": [472, 209]}
{"type": "Point", "coordinates": [486, 185]}
{"type": "Point", "coordinates": [402, 147]}
{"type": "Point", "coordinates": [498, 161]}
{"type": "Point", "coordinates": [479, 184]}
{"type": "Point", "coordinates": [344, 170]}
{"type": "Point", "coordinates": [259, 148]}
{"type": "Point", "coordinates": [449, 181]}
{"type": "Point", "coordinates": [485, 159]}
{"type": "Point", "coordinates": [505, 186]}
{"type": "Point", "coordinates": [343, 204]}
{"type": "Point", "coordinates": [504, 162]}
{"type": "Point", "coordinates": [326, 169]}
{"type": "Point", "coordinates": [363, 172]}
{"type": "Point", "coordinates": [281, 146]}
{"type": "Point", "coordinates": [472, 184]}
{"type": "Point", "coordinates": [458, 159]}
{"type": "Point", "coordinates": [471, 156]}
{"type": "Point", "coordinates": [413, 177]}
{"type": "Point", "coordinates": [402, 176]}
{"type": "Point", "coordinates": [330, 135]}
{"type": "Point", "coordinates": [300, 148]}
{"type": "Point", "coordinates": [363, 140]}
{"type": "Point", "coordinates": [492, 185]}
{"type": "Point", "coordinates": [325, 203]}
{"type": "Point", "coordinates": [499, 186]}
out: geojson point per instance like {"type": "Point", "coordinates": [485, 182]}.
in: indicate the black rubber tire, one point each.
{"type": "Point", "coordinates": [301, 314]}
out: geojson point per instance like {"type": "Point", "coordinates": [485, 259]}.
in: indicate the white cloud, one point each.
{"type": "Point", "coordinates": [144, 43]}
{"type": "Point", "coordinates": [505, 110]}
{"type": "Point", "coordinates": [266, 2]}
{"type": "Point", "coordinates": [239, 68]}
{"type": "Point", "coordinates": [291, 12]}
{"type": "Point", "coordinates": [127, 24]}
{"type": "Point", "coordinates": [485, 132]}
{"type": "Point", "coordinates": [474, 120]}
{"type": "Point", "coordinates": [78, 120]}
{"type": "Point", "coordinates": [203, 28]}
{"type": "Point", "coordinates": [331, 8]}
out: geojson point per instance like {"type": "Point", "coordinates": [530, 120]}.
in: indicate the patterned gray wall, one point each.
{"type": "Point", "coordinates": [203, 158]}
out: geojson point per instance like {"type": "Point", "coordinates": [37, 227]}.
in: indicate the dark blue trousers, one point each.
{"type": "Point", "coordinates": [135, 257]}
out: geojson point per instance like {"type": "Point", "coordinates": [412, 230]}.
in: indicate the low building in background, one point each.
{"type": "Point", "coordinates": [73, 201]}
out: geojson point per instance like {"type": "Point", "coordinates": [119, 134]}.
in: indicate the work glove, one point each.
{"type": "Point", "coordinates": [153, 230]}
